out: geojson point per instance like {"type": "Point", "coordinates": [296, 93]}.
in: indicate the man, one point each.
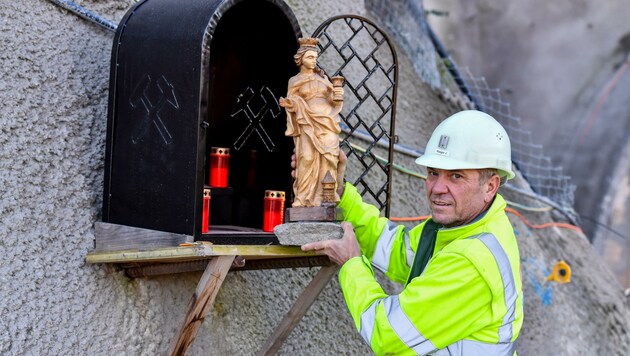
{"type": "Point", "coordinates": [460, 268]}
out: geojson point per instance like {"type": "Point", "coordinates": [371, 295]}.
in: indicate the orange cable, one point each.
{"type": "Point", "coordinates": [542, 226]}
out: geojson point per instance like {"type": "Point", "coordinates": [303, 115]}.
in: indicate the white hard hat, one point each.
{"type": "Point", "coordinates": [469, 139]}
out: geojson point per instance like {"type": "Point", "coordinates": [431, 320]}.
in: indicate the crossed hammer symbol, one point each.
{"type": "Point", "coordinates": [255, 118]}
{"type": "Point", "coordinates": [152, 110]}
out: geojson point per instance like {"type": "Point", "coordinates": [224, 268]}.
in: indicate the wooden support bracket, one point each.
{"type": "Point", "coordinates": [220, 259]}
{"type": "Point", "coordinates": [297, 311]}
{"type": "Point", "coordinates": [200, 304]}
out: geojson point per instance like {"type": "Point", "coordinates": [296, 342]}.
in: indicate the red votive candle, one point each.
{"type": "Point", "coordinates": [274, 209]}
{"type": "Point", "coordinates": [205, 218]}
{"type": "Point", "coordinates": [219, 166]}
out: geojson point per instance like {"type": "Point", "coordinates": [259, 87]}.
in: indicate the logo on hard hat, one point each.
{"type": "Point", "coordinates": [443, 144]}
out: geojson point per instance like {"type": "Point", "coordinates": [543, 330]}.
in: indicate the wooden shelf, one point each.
{"type": "Point", "coordinates": [196, 251]}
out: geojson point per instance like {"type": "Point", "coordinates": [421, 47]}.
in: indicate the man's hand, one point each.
{"type": "Point", "coordinates": [339, 251]}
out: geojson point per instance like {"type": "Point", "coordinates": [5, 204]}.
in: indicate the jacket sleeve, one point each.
{"type": "Point", "coordinates": [448, 302]}
{"type": "Point", "coordinates": [386, 245]}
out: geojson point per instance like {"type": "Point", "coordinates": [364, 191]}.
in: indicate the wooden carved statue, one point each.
{"type": "Point", "coordinates": [313, 104]}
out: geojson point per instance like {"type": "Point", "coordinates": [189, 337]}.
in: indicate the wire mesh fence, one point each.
{"type": "Point", "coordinates": [544, 177]}
{"type": "Point", "coordinates": [355, 49]}
{"type": "Point", "coordinates": [405, 21]}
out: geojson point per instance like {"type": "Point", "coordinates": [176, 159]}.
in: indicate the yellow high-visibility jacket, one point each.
{"type": "Point", "coordinates": [467, 301]}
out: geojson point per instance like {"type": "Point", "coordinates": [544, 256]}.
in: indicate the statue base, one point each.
{"type": "Point", "coordinates": [313, 213]}
{"type": "Point", "coordinates": [300, 233]}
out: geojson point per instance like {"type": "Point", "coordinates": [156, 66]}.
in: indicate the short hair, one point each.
{"type": "Point", "coordinates": [487, 173]}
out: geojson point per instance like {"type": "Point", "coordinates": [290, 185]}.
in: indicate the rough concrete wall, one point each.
{"type": "Point", "coordinates": [53, 115]}
{"type": "Point", "coordinates": [54, 95]}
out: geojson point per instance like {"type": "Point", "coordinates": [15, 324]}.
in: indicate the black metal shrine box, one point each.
{"type": "Point", "coordinates": [186, 76]}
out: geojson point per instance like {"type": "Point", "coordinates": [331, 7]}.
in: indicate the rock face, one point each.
{"type": "Point", "coordinates": [53, 127]}
{"type": "Point", "coordinates": [300, 233]}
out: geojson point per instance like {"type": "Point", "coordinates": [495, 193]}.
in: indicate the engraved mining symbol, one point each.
{"type": "Point", "coordinates": [247, 104]}
{"type": "Point", "coordinates": [141, 94]}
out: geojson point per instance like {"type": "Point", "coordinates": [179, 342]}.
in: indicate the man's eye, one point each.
{"type": "Point", "coordinates": [457, 176]}
{"type": "Point", "coordinates": [433, 173]}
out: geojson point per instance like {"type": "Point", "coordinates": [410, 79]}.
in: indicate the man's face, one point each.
{"type": "Point", "coordinates": [456, 197]}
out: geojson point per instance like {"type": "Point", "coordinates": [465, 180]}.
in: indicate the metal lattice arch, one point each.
{"type": "Point", "coordinates": [355, 48]}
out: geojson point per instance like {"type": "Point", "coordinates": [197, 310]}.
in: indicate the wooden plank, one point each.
{"type": "Point", "coordinates": [200, 304]}
{"type": "Point", "coordinates": [113, 237]}
{"type": "Point", "coordinates": [135, 270]}
{"type": "Point", "coordinates": [297, 311]}
{"type": "Point", "coordinates": [261, 250]}
{"type": "Point", "coordinates": [181, 253]}
{"type": "Point", "coordinates": [195, 251]}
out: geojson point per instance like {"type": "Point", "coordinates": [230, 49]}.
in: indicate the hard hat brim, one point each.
{"type": "Point", "coordinates": [447, 163]}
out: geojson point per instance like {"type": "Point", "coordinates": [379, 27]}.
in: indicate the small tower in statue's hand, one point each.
{"type": "Point", "coordinates": [329, 186]}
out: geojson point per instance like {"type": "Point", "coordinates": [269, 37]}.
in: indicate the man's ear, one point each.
{"type": "Point", "coordinates": [491, 187]}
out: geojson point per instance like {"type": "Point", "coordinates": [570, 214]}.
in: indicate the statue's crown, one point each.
{"type": "Point", "coordinates": [308, 42]}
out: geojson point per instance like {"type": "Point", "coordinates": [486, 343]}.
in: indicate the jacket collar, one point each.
{"type": "Point", "coordinates": [448, 235]}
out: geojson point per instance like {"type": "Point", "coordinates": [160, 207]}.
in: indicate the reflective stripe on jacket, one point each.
{"type": "Point", "coordinates": [467, 301]}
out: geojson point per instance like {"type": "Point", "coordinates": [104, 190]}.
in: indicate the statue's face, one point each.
{"type": "Point", "coordinates": [309, 60]}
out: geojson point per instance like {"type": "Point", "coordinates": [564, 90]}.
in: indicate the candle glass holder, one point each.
{"type": "Point", "coordinates": [274, 209]}
{"type": "Point", "coordinates": [219, 167]}
{"type": "Point", "coordinates": [205, 217]}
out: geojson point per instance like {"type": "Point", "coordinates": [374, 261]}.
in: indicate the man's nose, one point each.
{"type": "Point", "coordinates": [440, 185]}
